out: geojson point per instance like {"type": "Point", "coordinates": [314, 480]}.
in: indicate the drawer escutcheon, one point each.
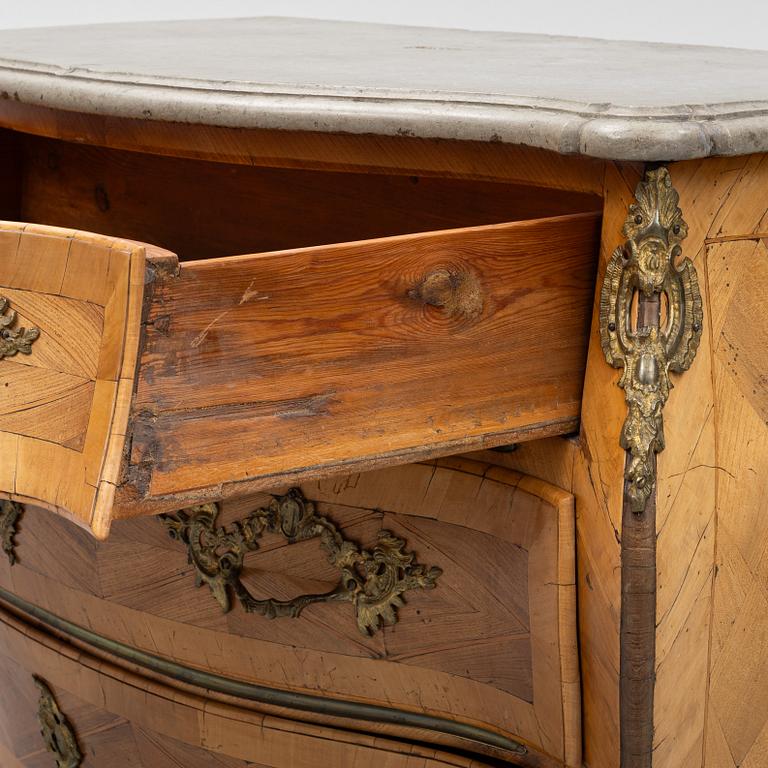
{"type": "Point", "coordinates": [56, 730]}
{"type": "Point", "coordinates": [373, 581]}
{"type": "Point", "coordinates": [649, 273]}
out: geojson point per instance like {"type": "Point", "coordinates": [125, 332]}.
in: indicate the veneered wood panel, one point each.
{"type": "Point", "coordinates": [492, 644]}
{"type": "Point", "coordinates": [685, 503]}
{"type": "Point", "coordinates": [742, 209]}
{"type": "Point", "coordinates": [121, 719]}
{"type": "Point", "coordinates": [347, 355]}
{"type": "Point", "coordinates": [63, 409]}
{"type": "Point", "coordinates": [709, 631]}
{"type": "Point", "coordinates": [737, 712]}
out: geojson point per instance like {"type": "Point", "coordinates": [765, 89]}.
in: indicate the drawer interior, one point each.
{"type": "Point", "coordinates": [200, 209]}
{"type": "Point", "coordinates": [375, 319]}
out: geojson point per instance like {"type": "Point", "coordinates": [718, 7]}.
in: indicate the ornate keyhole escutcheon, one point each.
{"type": "Point", "coordinates": [650, 322]}
{"type": "Point", "coordinates": [14, 340]}
{"type": "Point", "coordinates": [372, 580]}
{"type": "Point", "coordinates": [56, 730]}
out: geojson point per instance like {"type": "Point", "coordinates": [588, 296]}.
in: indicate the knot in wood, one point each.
{"type": "Point", "coordinates": [458, 292]}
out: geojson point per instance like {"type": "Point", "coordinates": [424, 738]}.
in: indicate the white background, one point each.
{"type": "Point", "coordinates": [740, 23]}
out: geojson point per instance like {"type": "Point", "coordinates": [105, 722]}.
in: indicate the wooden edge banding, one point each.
{"type": "Point", "coordinates": [146, 261]}
{"type": "Point", "coordinates": [101, 518]}
{"type": "Point", "coordinates": [570, 668]}
{"type": "Point", "coordinates": [570, 672]}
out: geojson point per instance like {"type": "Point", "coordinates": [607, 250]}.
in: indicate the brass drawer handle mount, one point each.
{"type": "Point", "coordinates": [373, 581]}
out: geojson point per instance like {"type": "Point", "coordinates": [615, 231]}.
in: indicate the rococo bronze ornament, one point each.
{"type": "Point", "coordinates": [372, 581]}
{"type": "Point", "coordinates": [14, 340]}
{"type": "Point", "coordinates": [10, 512]}
{"type": "Point", "coordinates": [650, 322]}
{"type": "Point", "coordinates": [56, 731]}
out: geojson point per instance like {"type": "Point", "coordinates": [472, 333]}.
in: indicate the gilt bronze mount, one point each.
{"type": "Point", "coordinates": [10, 512]}
{"type": "Point", "coordinates": [373, 581]}
{"type": "Point", "coordinates": [14, 340]}
{"type": "Point", "coordinates": [650, 322]}
{"type": "Point", "coordinates": [56, 730]}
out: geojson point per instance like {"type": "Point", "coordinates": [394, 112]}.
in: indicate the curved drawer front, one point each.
{"type": "Point", "coordinates": [463, 612]}
{"type": "Point", "coordinates": [321, 360]}
{"type": "Point", "coordinates": [71, 303]}
{"type": "Point", "coordinates": [62, 707]}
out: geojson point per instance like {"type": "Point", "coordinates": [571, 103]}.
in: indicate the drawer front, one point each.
{"type": "Point", "coordinates": [66, 371]}
{"type": "Point", "coordinates": [473, 627]}
{"type": "Point", "coordinates": [70, 310]}
{"type": "Point", "coordinates": [320, 360]}
{"type": "Point", "coordinates": [101, 715]}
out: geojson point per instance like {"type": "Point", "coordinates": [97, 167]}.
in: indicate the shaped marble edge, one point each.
{"type": "Point", "coordinates": [607, 99]}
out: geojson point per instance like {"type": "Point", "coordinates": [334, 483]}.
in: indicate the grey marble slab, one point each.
{"type": "Point", "coordinates": [619, 100]}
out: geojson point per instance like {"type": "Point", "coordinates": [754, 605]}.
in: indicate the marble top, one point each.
{"type": "Point", "coordinates": [619, 100]}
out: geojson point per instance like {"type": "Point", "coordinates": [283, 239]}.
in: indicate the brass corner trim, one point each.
{"type": "Point", "coordinates": [56, 730]}
{"type": "Point", "coordinates": [373, 581]}
{"type": "Point", "coordinates": [10, 512]}
{"type": "Point", "coordinates": [650, 322]}
{"type": "Point", "coordinates": [14, 340]}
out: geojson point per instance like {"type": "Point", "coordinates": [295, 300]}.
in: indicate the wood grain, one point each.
{"type": "Point", "coordinates": [686, 497]}
{"type": "Point", "coordinates": [64, 408]}
{"type": "Point", "coordinates": [247, 209]}
{"type": "Point", "coordinates": [326, 358]}
{"type": "Point", "coordinates": [493, 644]}
{"type": "Point", "coordinates": [124, 720]}
{"type": "Point", "coordinates": [737, 724]}
{"type": "Point", "coordinates": [707, 709]}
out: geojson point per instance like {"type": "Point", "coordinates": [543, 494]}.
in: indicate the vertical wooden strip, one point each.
{"type": "Point", "coordinates": [638, 633]}
{"type": "Point", "coordinates": [568, 636]}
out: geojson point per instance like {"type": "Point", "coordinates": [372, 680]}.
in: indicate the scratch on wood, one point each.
{"type": "Point", "coordinates": [200, 338]}
{"type": "Point", "coordinates": [251, 294]}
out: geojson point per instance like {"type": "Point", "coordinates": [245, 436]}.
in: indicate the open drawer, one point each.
{"type": "Point", "coordinates": [148, 385]}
